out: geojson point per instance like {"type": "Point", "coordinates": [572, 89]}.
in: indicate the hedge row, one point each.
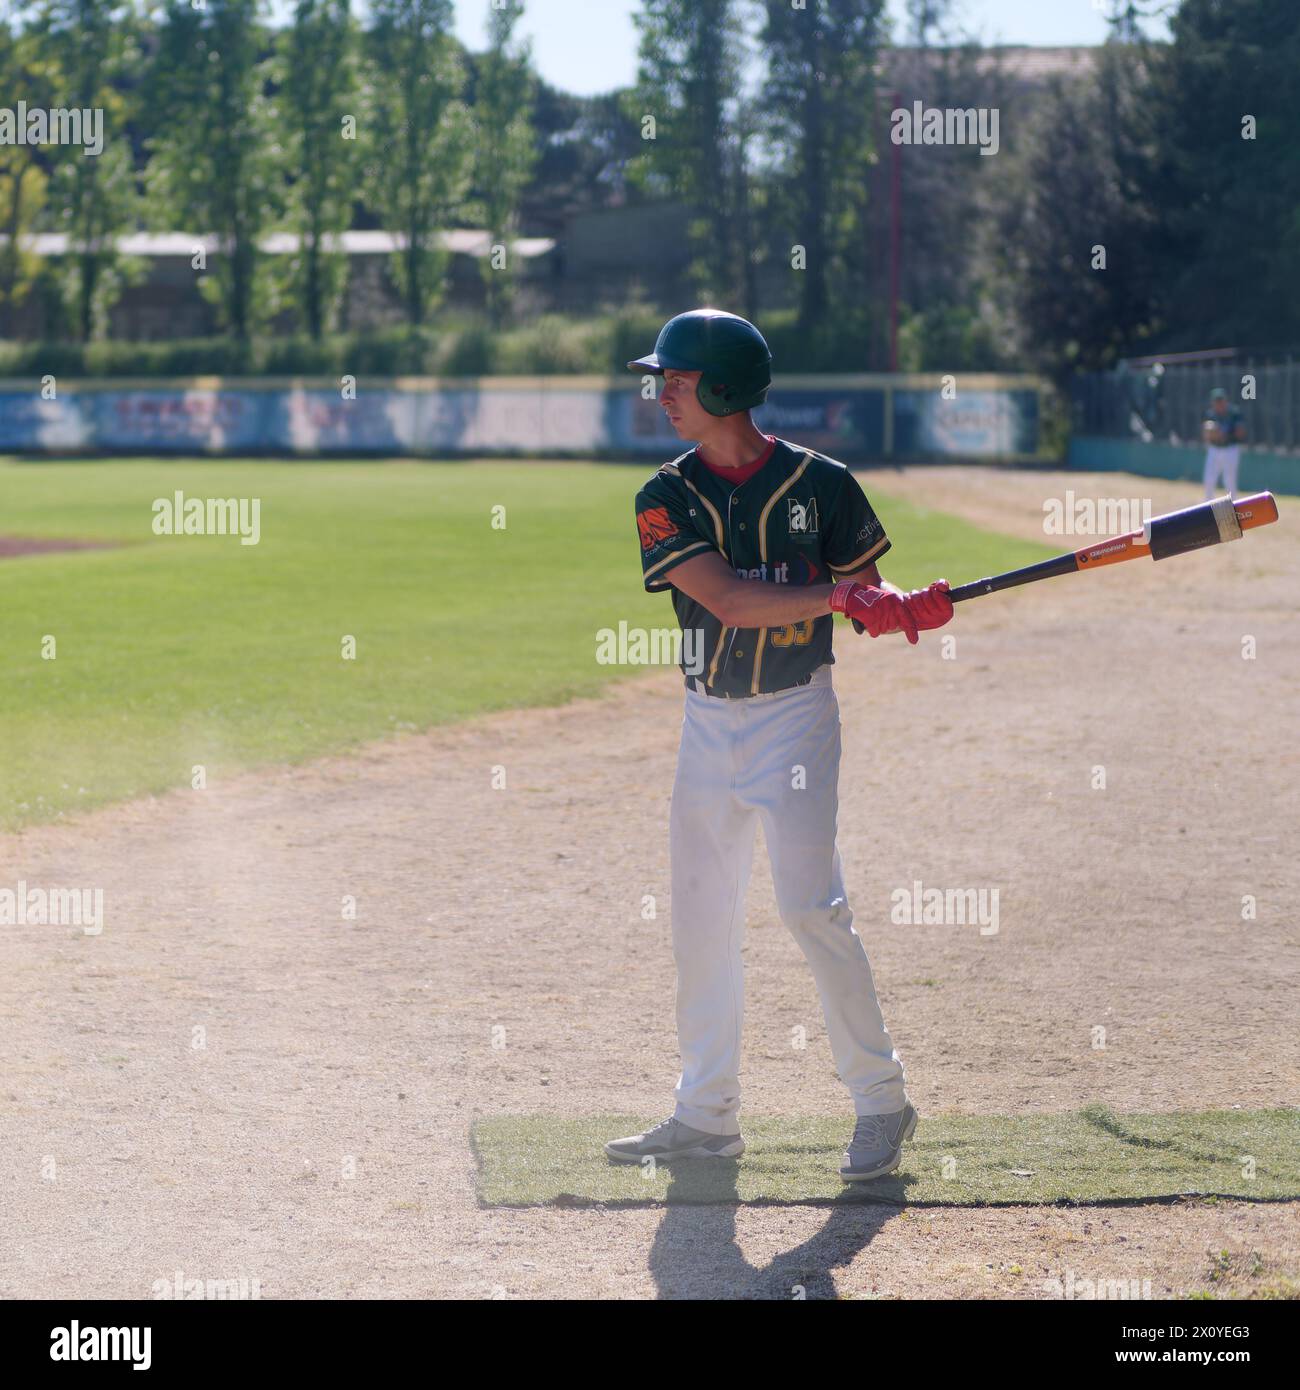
{"type": "Point", "coordinates": [553, 345]}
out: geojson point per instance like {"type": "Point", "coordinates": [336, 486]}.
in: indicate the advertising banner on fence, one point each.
{"type": "Point", "coordinates": [980, 424]}
{"type": "Point", "coordinates": [853, 418]}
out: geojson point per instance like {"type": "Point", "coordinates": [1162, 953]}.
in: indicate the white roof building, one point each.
{"type": "Point", "coordinates": [460, 241]}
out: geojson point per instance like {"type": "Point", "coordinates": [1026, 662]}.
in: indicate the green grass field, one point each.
{"type": "Point", "coordinates": [173, 651]}
{"type": "Point", "coordinates": [1092, 1155]}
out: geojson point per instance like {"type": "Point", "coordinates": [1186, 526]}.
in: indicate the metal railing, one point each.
{"type": "Point", "coordinates": [1165, 400]}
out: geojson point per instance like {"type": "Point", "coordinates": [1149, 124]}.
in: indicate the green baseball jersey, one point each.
{"type": "Point", "coordinates": [1227, 422]}
{"type": "Point", "coordinates": [801, 519]}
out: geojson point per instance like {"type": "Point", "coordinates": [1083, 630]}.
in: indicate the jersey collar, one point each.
{"type": "Point", "coordinates": [779, 455]}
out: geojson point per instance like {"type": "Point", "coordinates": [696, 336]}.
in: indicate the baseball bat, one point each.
{"type": "Point", "coordinates": [1175, 533]}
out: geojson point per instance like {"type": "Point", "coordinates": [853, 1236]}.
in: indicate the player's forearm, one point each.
{"type": "Point", "coordinates": [757, 603]}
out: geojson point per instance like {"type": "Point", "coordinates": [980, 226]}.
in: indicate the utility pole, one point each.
{"type": "Point", "coordinates": [895, 236]}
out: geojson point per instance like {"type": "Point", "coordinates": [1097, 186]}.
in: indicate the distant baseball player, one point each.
{"type": "Point", "coordinates": [1224, 431]}
{"type": "Point", "coordinates": [759, 542]}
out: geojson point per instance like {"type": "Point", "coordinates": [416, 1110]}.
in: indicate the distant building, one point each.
{"type": "Point", "coordinates": [1022, 66]}
{"type": "Point", "coordinates": [166, 302]}
{"type": "Point", "coordinates": [616, 255]}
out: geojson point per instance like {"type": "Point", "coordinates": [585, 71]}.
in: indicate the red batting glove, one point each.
{"type": "Point", "coordinates": [876, 609]}
{"type": "Point", "coordinates": [930, 607]}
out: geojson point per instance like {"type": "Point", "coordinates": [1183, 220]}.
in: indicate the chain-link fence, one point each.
{"type": "Point", "coordinates": [1166, 401]}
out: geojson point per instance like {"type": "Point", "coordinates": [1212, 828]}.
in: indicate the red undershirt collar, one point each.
{"type": "Point", "coordinates": [743, 474]}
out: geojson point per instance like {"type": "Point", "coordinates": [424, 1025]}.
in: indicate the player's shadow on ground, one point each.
{"type": "Point", "coordinates": [695, 1253]}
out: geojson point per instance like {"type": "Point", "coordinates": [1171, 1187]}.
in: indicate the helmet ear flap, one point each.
{"type": "Point", "coordinates": [722, 398]}
{"type": "Point", "coordinates": [716, 396]}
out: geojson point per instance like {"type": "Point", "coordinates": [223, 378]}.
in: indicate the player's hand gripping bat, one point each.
{"type": "Point", "coordinates": [1208, 523]}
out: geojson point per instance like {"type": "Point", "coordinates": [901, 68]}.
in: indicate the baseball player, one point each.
{"type": "Point", "coordinates": [1224, 430]}
{"type": "Point", "coordinates": [760, 541]}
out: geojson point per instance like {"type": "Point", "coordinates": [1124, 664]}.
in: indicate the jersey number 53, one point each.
{"type": "Point", "coordinates": [796, 635]}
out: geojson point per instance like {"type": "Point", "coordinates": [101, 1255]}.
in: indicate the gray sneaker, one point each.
{"type": "Point", "coordinates": [877, 1144]}
{"type": "Point", "coordinates": [673, 1139]}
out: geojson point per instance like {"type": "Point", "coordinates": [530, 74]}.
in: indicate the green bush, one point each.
{"type": "Point", "coordinates": [185, 357]}
{"type": "Point", "coordinates": [181, 357]}
{"type": "Point", "coordinates": [459, 344]}
{"type": "Point", "coordinates": [632, 335]}
{"type": "Point", "coordinates": [552, 346]}
{"type": "Point", "coordinates": [470, 352]}
{"type": "Point", "coordinates": [392, 352]}
{"type": "Point", "coordinates": [950, 338]}
{"type": "Point", "coordinates": [300, 356]}
{"type": "Point", "coordinates": [1054, 427]}
{"type": "Point", "coordinates": [35, 359]}
{"type": "Point", "coordinates": [840, 343]}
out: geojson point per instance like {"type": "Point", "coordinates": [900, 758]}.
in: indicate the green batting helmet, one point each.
{"type": "Point", "coordinates": [728, 350]}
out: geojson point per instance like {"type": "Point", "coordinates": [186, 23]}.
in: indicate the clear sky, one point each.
{"type": "Point", "coordinates": [589, 46]}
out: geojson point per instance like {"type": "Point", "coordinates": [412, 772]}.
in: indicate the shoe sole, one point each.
{"type": "Point", "coordinates": [731, 1151]}
{"type": "Point", "coordinates": [893, 1162]}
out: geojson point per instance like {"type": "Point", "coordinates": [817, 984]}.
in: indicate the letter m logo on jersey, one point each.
{"type": "Point", "coordinates": [654, 526]}
{"type": "Point", "coordinates": [803, 517]}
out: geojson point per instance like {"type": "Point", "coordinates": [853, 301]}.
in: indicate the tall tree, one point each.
{"type": "Point", "coordinates": [945, 194]}
{"type": "Point", "coordinates": [95, 43]}
{"type": "Point", "coordinates": [689, 84]}
{"type": "Point", "coordinates": [1224, 108]}
{"type": "Point", "coordinates": [1079, 267]}
{"type": "Point", "coordinates": [819, 95]}
{"type": "Point", "coordinates": [586, 145]}
{"type": "Point", "coordinates": [26, 67]}
{"type": "Point", "coordinates": [319, 95]}
{"type": "Point", "coordinates": [505, 151]}
{"type": "Point", "coordinates": [218, 164]}
{"type": "Point", "coordinates": [421, 146]}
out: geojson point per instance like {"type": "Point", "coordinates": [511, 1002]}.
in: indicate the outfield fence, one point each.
{"type": "Point", "coordinates": [856, 418]}
{"type": "Point", "coordinates": [1145, 417]}
{"type": "Point", "coordinates": [1165, 401]}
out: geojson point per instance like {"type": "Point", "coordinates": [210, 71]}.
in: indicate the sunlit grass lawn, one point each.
{"type": "Point", "coordinates": [173, 651]}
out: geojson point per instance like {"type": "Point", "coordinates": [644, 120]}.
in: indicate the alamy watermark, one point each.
{"type": "Point", "coordinates": [34, 125]}
{"type": "Point", "coordinates": [651, 646]}
{"type": "Point", "coordinates": [73, 1342]}
{"type": "Point", "coordinates": [1084, 516]}
{"type": "Point", "coordinates": [933, 125]}
{"type": "Point", "coordinates": [180, 1287]}
{"type": "Point", "coordinates": [945, 907]}
{"type": "Point", "coordinates": [1076, 1287]}
{"type": "Point", "coordinates": [179, 515]}
{"type": "Point", "coordinates": [21, 906]}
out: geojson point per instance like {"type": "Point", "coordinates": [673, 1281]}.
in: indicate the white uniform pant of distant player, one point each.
{"type": "Point", "coordinates": [774, 758]}
{"type": "Point", "coordinates": [1222, 461]}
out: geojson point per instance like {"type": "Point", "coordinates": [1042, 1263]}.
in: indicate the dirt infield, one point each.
{"type": "Point", "coordinates": [233, 1079]}
{"type": "Point", "coordinates": [14, 547]}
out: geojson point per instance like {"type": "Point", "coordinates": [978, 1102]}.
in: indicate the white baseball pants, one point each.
{"type": "Point", "coordinates": [1222, 460]}
{"type": "Point", "coordinates": [774, 757]}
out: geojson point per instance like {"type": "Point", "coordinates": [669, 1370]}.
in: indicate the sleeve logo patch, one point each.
{"type": "Point", "coordinates": [654, 526]}
{"type": "Point", "coordinates": [803, 517]}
